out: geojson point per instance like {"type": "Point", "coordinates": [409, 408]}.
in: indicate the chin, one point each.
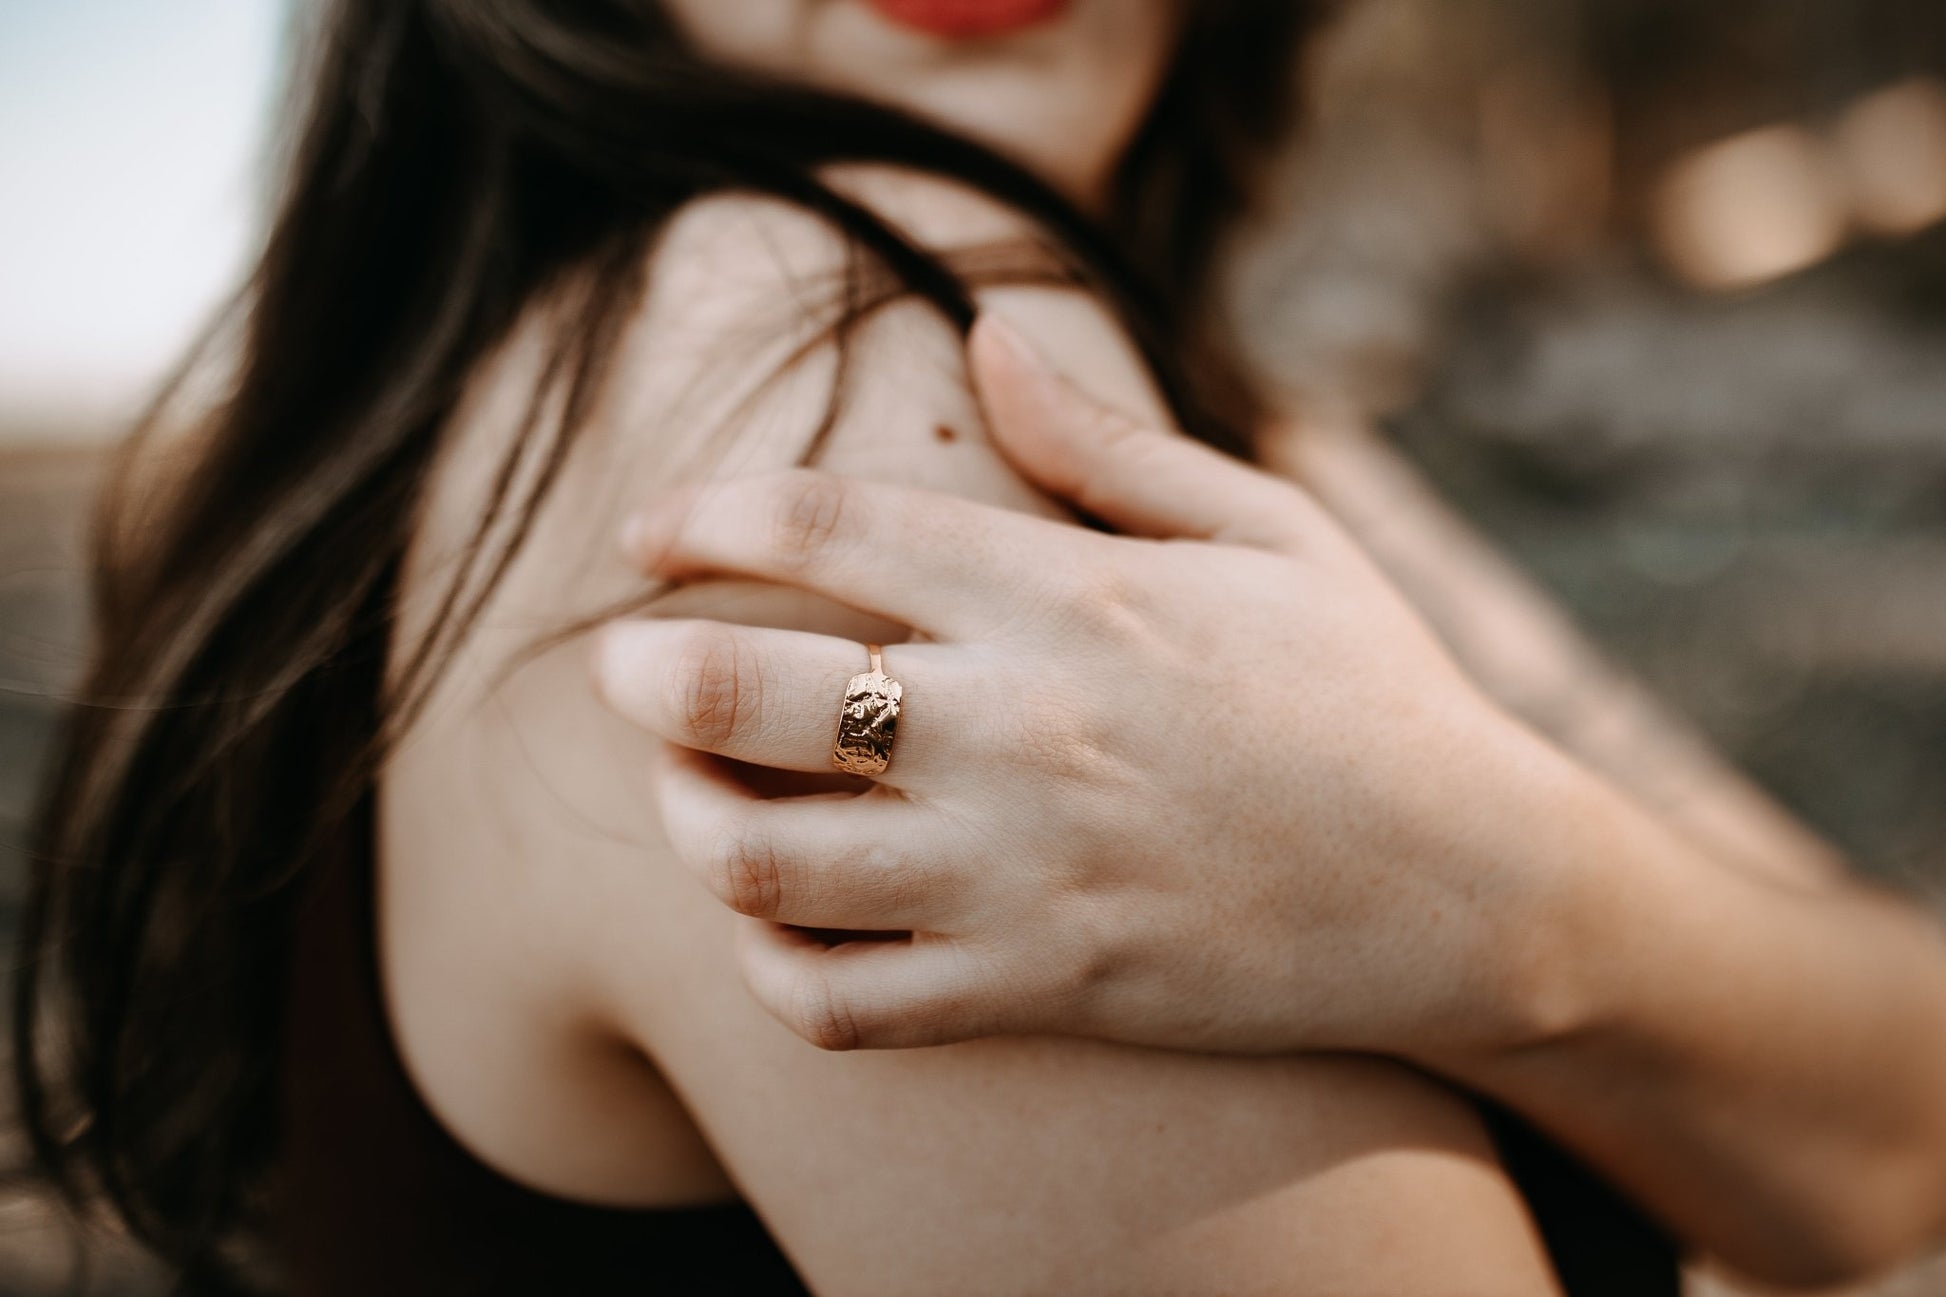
{"type": "Point", "coordinates": [1058, 85]}
{"type": "Point", "coordinates": [1064, 96]}
{"type": "Point", "coordinates": [1072, 145]}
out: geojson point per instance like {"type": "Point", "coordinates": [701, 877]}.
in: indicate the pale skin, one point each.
{"type": "Point", "coordinates": [570, 1002]}
{"type": "Point", "coordinates": [1359, 851]}
{"type": "Point", "coordinates": [1245, 800]}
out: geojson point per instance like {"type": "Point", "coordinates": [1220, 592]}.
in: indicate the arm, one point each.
{"type": "Point", "coordinates": [1761, 1063]}
{"type": "Point", "coordinates": [1530, 659]}
{"type": "Point", "coordinates": [555, 975]}
{"type": "Point", "coordinates": [1382, 859]}
{"type": "Point", "coordinates": [1753, 1044]}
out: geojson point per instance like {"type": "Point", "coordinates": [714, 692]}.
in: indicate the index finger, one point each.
{"type": "Point", "coordinates": [940, 563]}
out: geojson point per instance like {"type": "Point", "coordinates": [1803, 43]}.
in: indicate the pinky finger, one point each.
{"type": "Point", "coordinates": [872, 994]}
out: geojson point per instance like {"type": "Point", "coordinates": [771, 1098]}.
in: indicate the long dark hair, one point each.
{"type": "Point", "coordinates": [453, 159]}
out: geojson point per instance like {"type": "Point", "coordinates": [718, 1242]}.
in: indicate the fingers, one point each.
{"type": "Point", "coordinates": [943, 564]}
{"type": "Point", "coordinates": [772, 697]}
{"type": "Point", "coordinates": [1140, 480]}
{"type": "Point", "coordinates": [874, 994]}
{"type": "Point", "coordinates": [872, 862]}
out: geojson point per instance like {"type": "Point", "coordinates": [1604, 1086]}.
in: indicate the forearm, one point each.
{"type": "Point", "coordinates": [1752, 1045]}
{"type": "Point", "coordinates": [1763, 1066]}
{"type": "Point", "coordinates": [1525, 654]}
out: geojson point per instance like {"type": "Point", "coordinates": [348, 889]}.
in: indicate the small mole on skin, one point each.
{"type": "Point", "coordinates": [945, 433]}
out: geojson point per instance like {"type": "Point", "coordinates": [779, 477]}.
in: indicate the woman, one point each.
{"type": "Point", "coordinates": [536, 263]}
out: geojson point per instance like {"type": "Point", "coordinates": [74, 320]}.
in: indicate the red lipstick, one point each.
{"type": "Point", "coordinates": [969, 19]}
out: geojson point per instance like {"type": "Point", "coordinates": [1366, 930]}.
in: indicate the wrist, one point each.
{"type": "Point", "coordinates": [1565, 920]}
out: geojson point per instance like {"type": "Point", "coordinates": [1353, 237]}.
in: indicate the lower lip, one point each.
{"type": "Point", "coordinates": [969, 19]}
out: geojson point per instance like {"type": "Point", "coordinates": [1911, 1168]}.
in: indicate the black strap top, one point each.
{"type": "Point", "coordinates": [377, 1198]}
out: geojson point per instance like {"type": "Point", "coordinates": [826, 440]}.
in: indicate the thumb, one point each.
{"type": "Point", "coordinates": [1142, 481]}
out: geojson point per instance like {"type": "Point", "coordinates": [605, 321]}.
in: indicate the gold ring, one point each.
{"type": "Point", "coordinates": [869, 720]}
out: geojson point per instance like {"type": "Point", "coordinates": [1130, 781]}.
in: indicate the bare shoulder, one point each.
{"type": "Point", "coordinates": [565, 995]}
{"type": "Point", "coordinates": [743, 283]}
{"type": "Point", "coordinates": [506, 794]}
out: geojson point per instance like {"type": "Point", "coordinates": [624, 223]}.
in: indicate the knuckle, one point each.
{"type": "Point", "coordinates": [749, 876]}
{"type": "Point", "coordinates": [1112, 428]}
{"type": "Point", "coordinates": [1096, 973]}
{"type": "Point", "coordinates": [1053, 736]}
{"type": "Point", "coordinates": [1151, 450]}
{"type": "Point", "coordinates": [717, 688]}
{"type": "Point", "coordinates": [822, 1017]}
{"type": "Point", "coordinates": [1088, 993]}
{"type": "Point", "coordinates": [1102, 600]}
{"type": "Point", "coordinates": [1106, 595]}
{"type": "Point", "coordinates": [1096, 961]}
{"type": "Point", "coordinates": [887, 877]}
{"type": "Point", "coordinates": [811, 515]}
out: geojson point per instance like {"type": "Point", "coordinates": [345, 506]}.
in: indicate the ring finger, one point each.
{"type": "Point", "coordinates": [772, 697]}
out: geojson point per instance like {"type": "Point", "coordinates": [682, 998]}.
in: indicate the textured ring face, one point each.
{"type": "Point", "coordinates": [868, 723]}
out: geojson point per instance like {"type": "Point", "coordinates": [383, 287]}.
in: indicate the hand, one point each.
{"type": "Point", "coordinates": [1209, 783]}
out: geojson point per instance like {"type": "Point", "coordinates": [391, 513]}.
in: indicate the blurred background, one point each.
{"type": "Point", "coordinates": [1653, 290]}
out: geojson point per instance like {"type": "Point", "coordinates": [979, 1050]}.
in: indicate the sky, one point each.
{"type": "Point", "coordinates": [133, 137]}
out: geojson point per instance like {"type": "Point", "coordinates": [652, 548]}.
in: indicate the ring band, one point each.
{"type": "Point", "coordinates": [869, 720]}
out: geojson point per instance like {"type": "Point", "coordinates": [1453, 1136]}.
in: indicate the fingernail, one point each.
{"type": "Point", "coordinates": [606, 661]}
{"type": "Point", "coordinates": [648, 534]}
{"type": "Point", "coordinates": [622, 650]}
{"type": "Point", "coordinates": [1013, 340]}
